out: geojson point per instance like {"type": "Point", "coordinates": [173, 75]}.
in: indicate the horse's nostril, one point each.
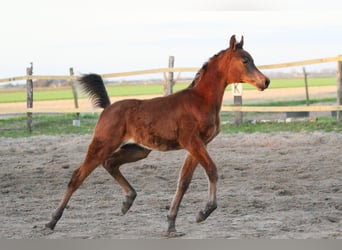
{"type": "Point", "coordinates": [267, 82]}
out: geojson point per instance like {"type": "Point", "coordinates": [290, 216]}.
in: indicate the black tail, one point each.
{"type": "Point", "coordinates": [93, 85]}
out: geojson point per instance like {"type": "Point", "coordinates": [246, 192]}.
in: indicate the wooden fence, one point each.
{"type": "Point", "coordinates": [71, 77]}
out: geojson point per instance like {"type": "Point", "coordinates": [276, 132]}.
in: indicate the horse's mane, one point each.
{"type": "Point", "coordinates": [203, 68]}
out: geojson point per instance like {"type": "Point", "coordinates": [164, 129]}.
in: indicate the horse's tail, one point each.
{"type": "Point", "coordinates": [93, 85]}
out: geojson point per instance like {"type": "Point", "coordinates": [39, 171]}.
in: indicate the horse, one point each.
{"type": "Point", "coordinates": [128, 130]}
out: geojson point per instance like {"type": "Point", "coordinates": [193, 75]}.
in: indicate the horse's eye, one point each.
{"type": "Point", "coordinates": [245, 60]}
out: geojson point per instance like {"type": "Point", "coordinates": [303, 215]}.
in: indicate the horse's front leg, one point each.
{"type": "Point", "coordinates": [183, 184]}
{"type": "Point", "coordinates": [211, 205]}
{"type": "Point", "coordinates": [198, 150]}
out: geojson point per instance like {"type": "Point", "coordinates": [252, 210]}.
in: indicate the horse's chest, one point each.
{"type": "Point", "coordinates": [211, 129]}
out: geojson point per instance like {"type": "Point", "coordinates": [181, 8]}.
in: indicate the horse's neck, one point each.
{"type": "Point", "coordinates": [211, 86]}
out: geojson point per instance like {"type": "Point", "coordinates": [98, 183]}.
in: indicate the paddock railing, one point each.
{"type": "Point", "coordinates": [337, 107]}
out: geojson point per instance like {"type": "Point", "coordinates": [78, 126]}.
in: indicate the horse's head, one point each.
{"type": "Point", "coordinates": [242, 68]}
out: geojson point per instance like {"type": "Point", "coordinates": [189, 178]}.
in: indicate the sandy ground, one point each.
{"type": "Point", "coordinates": [278, 185]}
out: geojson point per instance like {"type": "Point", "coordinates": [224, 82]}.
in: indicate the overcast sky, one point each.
{"type": "Point", "coordinates": [106, 36]}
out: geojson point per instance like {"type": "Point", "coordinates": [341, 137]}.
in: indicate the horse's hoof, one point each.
{"type": "Point", "coordinates": [173, 234]}
{"type": "Point", "coordinates": [125, 207]}
{"type": "Point", "coordinates": [44, 230]}
{"type": "Point", "coordinates": [51, 225]}
{"type": "Point", "coordinates": [200, 217]}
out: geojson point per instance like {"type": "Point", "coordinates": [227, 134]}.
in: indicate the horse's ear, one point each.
{"type": "Point", "coordinates": [232, 43]}
{"type": "Point", "coordinates": [241, 43]}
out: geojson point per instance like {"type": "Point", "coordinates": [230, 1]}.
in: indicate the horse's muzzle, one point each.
{"type": "Point", "coordinates": [265, 84]}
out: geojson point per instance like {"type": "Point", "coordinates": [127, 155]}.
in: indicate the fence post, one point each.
{"type": "Point", "coordinates": [306, 87]}
{"type": "Point", "coordinates": [339, 88]}
{"type": "Point", "coordinates": [29, 99]}
{"type": "Point", "coordinates": [74, 92]}
{"type": "Point", "coordinates": [237, 93]}
{"type": "Point", "coordinates": [169, 80]}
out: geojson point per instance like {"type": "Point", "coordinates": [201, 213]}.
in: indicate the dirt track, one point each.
{"type": "Point", "coordinates": [279, 185]}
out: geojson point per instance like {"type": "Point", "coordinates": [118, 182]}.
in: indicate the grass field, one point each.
{"type": "Point", "coordinates": [44, 94]}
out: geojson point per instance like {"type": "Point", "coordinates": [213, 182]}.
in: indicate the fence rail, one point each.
{"type": "Point", "coordinates": [337, 107]}
{"type": "Point", "coordinates": [263, 109]}
{"type": "Point", "coordinates": [109, 75]}
{"type": "Point", "coordinates": [282, 108]}
{"type": "Point", "coordinates": [302, 63]}
{"type": "Point", "coordinates": [166, 70]}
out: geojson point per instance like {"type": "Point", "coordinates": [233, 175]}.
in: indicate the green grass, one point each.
{"type": "Point", "coordinates": [7, 96]}
{"type": "Point", "coordinates": [38, 95]}
{"type": "Point", "coordinates": [299, 82]}
{"type": "Point", "coordinates": [322, 124]}
{"type": "Point", "coordinates": [47, 125]}
{"type": "Point", "coordinates": [41, 94]}
{"type": "Point", "coordinates": [62, 124]}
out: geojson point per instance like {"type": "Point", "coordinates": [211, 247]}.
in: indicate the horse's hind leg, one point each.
{"type": "Point", "coordinates": [96, 153]}
{"type": "Point", "coordinates": [127, 153]}
{"type": "Point", "coordinates": [76, 180]}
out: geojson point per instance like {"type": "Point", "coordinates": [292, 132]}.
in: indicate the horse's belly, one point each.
{"type": "Point", "coordinates": [155, 143]}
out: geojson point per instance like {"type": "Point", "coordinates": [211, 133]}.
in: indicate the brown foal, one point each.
{"type": "Point", "coordinates": [128, 130]}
